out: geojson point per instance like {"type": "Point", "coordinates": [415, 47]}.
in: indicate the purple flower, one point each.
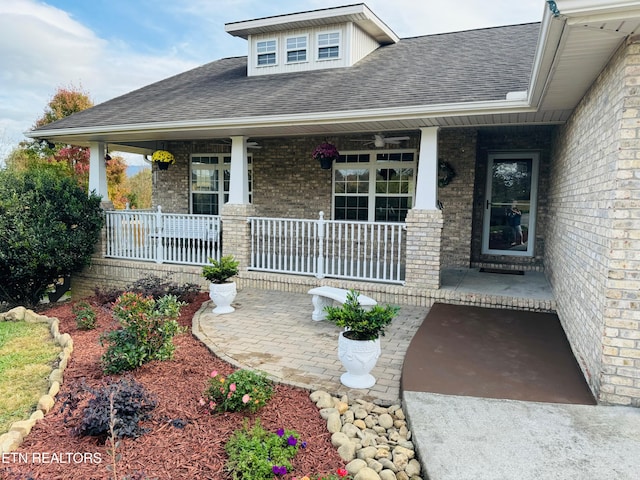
{"type": "Point", "coordinates": [303, 444]}
{"type": "Point", "coordinates": [279, 470]}
{"type": "Point", "coordinates": [292, 441]}
{"type": "Point", "coordinates": [280, 432]}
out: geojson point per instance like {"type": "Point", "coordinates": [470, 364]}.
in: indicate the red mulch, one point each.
{"type": "Point", "coordinates": [166, 452]}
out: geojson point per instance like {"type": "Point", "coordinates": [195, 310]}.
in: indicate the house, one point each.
{"type": "Point", "coordinates": [515, 147]}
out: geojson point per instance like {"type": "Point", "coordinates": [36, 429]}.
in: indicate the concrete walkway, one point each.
{"type": "Point", "coordinates": [456, 438]}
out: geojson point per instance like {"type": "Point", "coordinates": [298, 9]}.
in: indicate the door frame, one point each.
{"type": "Point", "coordinates": [533, 205]}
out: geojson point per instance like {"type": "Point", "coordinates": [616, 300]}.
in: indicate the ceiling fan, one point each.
{"type": "Point", "coordinates": [380, 141]}
{"type": "Point", "coordinates": [255, 145]}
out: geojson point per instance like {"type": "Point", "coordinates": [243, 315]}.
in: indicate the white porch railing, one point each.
{"type": "Point", "coordinates": [329, 248]}
{"type": "Point", "coordinates": [162, 237]}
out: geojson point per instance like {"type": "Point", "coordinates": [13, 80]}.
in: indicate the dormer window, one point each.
{"type": "Point", "coordinates": [328, 45]}
{"type": "Point", "coordinates": [266, 52]}
{"type": "Point", "coordinates": [296, 49]}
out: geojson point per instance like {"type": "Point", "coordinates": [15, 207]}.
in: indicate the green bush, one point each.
{"type": "Point", "coordinates": [242, 390]}
{"type": "Point", "coordinates": [220, 270]}
{"type": "Point", "coordinates": [148, 328]}
{"type": "Point", "coordinates": [255, 454]}
{"type": "Point", "coordinates": [85, 316]}
{"type": "Point", "coordinates": [48, 229]}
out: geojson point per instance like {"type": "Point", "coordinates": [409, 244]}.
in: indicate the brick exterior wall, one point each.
{"type": "Point", "coordinates": [593, 241]}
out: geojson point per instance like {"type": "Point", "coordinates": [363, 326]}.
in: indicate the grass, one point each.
{"type": "Point", "coordinates": [27, 353]}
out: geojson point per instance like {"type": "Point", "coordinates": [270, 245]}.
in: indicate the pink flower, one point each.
{"type": "Point", "coordinates": [202, 402]}
{"type": "Point", "coordinates": [232, 387]}
{"type": "Point", "coordinates": [214, 373]}
{"type": "Point", "coordinates": [212, 405]}
{"type": "Point", "coordinates": [246, 398]}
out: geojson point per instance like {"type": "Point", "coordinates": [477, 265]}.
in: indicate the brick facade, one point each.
{"type": "Point", "coordinates": [593, 242]}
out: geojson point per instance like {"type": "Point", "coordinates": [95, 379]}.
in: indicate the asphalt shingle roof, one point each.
{"type": "Point", "coordinates": [468, 66]}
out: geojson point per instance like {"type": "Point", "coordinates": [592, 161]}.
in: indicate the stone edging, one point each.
{"type": "Point", "coordinates": [374, 441]}
{"type": "Point", "coordinates": [11, 440]}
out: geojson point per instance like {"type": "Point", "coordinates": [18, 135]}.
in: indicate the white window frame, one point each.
{"type": "Point", "coordinates": [372, 166]}
{"type": "Point", "coordinates": [297, 48]}
{"type": "Point", "coordinates": [223, 165]}
{"type": "Point", "coordinates": [269, 51]}
{"type": "Point", "coordinates": [329, 44]}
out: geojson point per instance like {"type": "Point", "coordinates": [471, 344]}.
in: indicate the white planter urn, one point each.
{"type": "Point", "coordinates": [222, 294]}
{"type": "Point", "coordinates": [358, 357]}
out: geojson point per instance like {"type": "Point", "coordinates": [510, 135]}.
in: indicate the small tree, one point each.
{"type": "Point", "coordinates": [48, 230]}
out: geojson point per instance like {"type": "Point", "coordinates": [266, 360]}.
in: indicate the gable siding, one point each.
{"type": "Point", "coordinates": [593, 241]}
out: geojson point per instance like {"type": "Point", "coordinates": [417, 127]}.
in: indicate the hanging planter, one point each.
{"type": "Point", "coordinates": [163, 159]}
{"type": "Point", "coordinates": [325, 153]}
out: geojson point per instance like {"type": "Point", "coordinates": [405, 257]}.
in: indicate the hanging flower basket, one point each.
{"type": "Point", "coordinates": [163, 159]}
{"type": "Point", "coordinates": [325, 153]}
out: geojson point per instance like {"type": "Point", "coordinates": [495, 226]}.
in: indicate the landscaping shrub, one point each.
{"type": "Point", "coordinates": [131, 405]}
{"type": "Point", "coordinates": [256, 454]}
{"type": "Point", "coordinates": [85, 316]}
{"type": "Point", "coordinates": [242, 390]}
{"type": "Point", "coordinates": [150, 285]}
{"type": "Point", "coordinates": [148, 329]}
{"type": "Point", "coordinates": [48, 230]}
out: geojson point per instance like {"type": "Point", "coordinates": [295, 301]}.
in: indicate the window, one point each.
{"type": "Point", "coordinates": [266, 52]}
{"type": "Point", "coordinates": [372, 186]}
{"type": "Point", "coordinates": [328, 45]}
{"type": "Point", "coordinates": [296, 49]}
{"type": "Point", "coordinates": [210, 183]}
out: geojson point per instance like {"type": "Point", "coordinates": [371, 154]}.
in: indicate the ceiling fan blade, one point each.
{"type": "Point", "coordinates": [396, 139]}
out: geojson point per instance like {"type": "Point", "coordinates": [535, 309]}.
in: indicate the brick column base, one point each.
{"type": "Point", "coordinates": [236, 233]}
{"type": "Point", "coordinates": [424, 236]}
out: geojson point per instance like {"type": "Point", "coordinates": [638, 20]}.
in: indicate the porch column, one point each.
{"type": "Point", "coordinates": [239, 172]}
{"type": "Point", "coordinates": [426, 197]}
{"type": "Point", "coordinates": [424, 221]}
{"type": "Point", "coordinates": [98, 170]}
{"type": "Point", "coordinates": [236, 233]}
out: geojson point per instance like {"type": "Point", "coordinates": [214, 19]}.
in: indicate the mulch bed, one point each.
{"type": "Point", "coordinates": [51, 452]}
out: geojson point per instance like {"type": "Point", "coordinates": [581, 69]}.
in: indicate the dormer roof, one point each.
{"type": "Point", "coordinates": [358, 14]}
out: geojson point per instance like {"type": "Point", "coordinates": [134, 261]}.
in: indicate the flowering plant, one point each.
{"type": "Point", "coordinates": [242, 390]}
{"type": "Point", "coordinates": [257, 454]}
{"type": "Point", "coordinates": [162, 156]}
{"type": "Point", "coordinates": [340, 474]}
{"type": "Point", "coordinates": [325, 150]}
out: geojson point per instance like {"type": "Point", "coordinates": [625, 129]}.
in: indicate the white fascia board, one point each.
{"type": "Point", "coordinates": [408, 113]}
{"type": "Point", "coordinates": [571, 8]}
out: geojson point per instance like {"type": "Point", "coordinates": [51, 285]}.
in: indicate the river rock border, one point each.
{"type": "Point", "coordinates": [11, 440]}
{"type": "Point", "coordinates": [373, 441]}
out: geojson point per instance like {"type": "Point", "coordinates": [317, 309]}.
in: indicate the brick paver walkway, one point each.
{"type": "Point", "coordinates": [273, 332]}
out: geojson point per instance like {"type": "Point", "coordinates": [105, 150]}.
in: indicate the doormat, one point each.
{"type": "Point", "coordinates": [502, 270]}
{"type": "Point", "coordinates": [494, 353]}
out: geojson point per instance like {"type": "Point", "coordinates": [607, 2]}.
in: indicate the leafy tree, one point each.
{"type": "Point", "coordinates": [139, 187]}
{"type": "Point", "coordinates": [48, 230]}
{"type": "Point", "coordinates": [64, 102]}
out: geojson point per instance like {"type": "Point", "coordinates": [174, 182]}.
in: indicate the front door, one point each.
{"type": "Point", "coordinates": [510, 205]}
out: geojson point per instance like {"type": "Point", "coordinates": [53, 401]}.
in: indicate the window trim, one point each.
{"type": "Point", "coordinates": [338, 44]}
{"type": "Point", "coordinates": [372, 166]}
{"type": "Point", "coordinates": [221, 166]}
{"type": "Point", "coordinates": [274, 52]}
{"type": "Point", "coordinates": [297, 49]}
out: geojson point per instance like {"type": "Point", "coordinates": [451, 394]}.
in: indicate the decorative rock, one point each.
{"type": "Point", "coordinates": [387, 475]}
{"type": "Point", "coordinates": [367, 452]}
{"type": "Point", "coordinates": [374, 465]}
{"type": "Point", "coordinates": [15, 314]}
{"type": "Point", "coordinates": [413, 468]}
{"type": "Point", "coordinates": [23, 426]}
{"type": "Point", "coordinates": [64, 339]}
{"type": "Point", "coordinates": [338, 439]}
{"type": "Point", "coordinates": [333, 422]}
{"type": "Point", "coordinates": [326, 412]}
{"type": "Point", "coordinates": [347, 451]}
{"type": "Point", "coordinates": [383, 452]}
{"type": "Point", "coordinates": [355, 466]}
{"type": "Point", "coordinates": [348, 416]}
{"type": "Point", "coordinates": [399, 413]}
{"type": "Point", "coordinates": [360, 412]}
{"type": "Point", "coordinates": [360, 424]}
{"type": "Point", "coordinates": [388, 465]}
{"type": "Point", "coordinates": [55, 376]}
{"type": "Point", "coordinates": [350, 430]}
{"type": "Point", "coordinates": [31, 317]}
{"type": "Point", "coordinates": [385, 420]}
{"type": "Point", "coordinates": [37, 415]}
{"type": "Point", "coordinates": [367, 473]}
{"type": "Point", "coordinates": [10, 441]}
{"type": "Point", "coordinates": [402, 476]}
{"type": "Point", "coordinates": [341, 406]}
{"type": "Point", "coordinates": [400, 460]}
{"type": "Point", "coordinates": [321, 399]}
{"type": "Point", "coordinates": [46, 403]}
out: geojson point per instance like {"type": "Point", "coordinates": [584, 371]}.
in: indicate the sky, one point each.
{"type": "Point", "coordinates": [107, 48]}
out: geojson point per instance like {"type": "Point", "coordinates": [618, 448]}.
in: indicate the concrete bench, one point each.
{"type": "Point", "coordinates": [325, 296]}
